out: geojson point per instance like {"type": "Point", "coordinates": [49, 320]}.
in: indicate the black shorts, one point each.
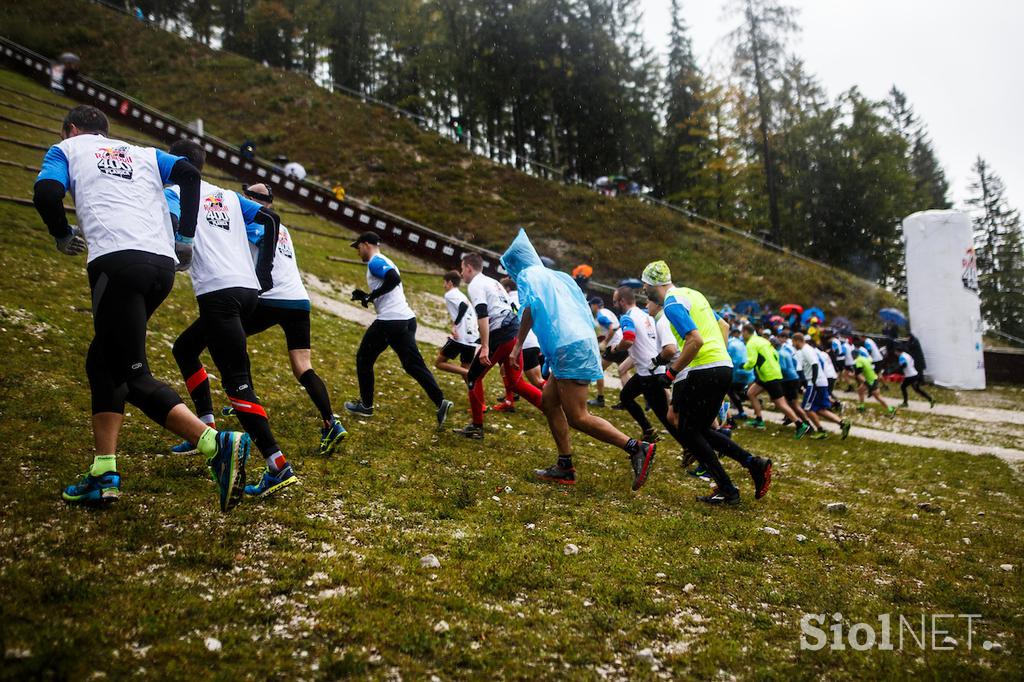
{"type": "Point", "coordinates": [791, 389]}
{"type": "Point", "coordinates": [453, 349]}
{"type": "Point", "coordinates": [293, 321]}
{"type": "Point", "coordinates": [532, 358]}
{"type": "Point", "coordinates": [773, 387]}
{"type": "Point", "coordinates": [872, 386]}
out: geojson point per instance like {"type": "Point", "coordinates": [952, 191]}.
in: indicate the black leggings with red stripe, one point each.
{"type": "Point", "coordinates": [220, 327]}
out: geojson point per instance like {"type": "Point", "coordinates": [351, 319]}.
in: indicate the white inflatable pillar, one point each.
{"type": "Point", "coordinates": [942, 294]}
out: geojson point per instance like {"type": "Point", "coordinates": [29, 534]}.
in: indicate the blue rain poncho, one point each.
{"type": "Point", "coordinates": [561, 317]}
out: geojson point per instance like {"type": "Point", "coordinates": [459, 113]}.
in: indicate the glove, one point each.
{"type": "Point", "coordinates": [607, 354]}
{"type": "Point", "coordinates": [73, 244]}
{"type": "Point", "coordinates": [659, 361]}
{"type": "Point", "coordinates": [360, 296]}
{"type": "Point", "coordinates": [667, 378]}
{"type": "Point", "coordinates": [183, 251]}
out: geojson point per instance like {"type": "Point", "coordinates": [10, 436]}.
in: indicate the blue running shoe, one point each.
{"type": "Point", "coordinates": [331, 436]}
{"type": "Point", "coordinates": [271, 482]}
{"type": "Point", "coordinates": [184, 448]}
{"type": "Point", "coordinates": [228, 411]}
{"type": "Point", "coordinates": [227, 466]}
{"type": "Point", "coordinates": [94, 490]}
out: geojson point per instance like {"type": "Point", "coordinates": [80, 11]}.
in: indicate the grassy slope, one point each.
{"type": "Point", "coordinates": [325, 581]}
{"type": "Point", "coordinates": [417, 174]}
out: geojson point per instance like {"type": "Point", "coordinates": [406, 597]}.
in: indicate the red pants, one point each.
{"type": "Point", "coordinates": [513, 378]}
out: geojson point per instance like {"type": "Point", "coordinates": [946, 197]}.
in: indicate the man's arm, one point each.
{"type": "Point", "coordinates": [187, 178]}
{"type": "Point", "coordinates": [628, 334]}
{"type": "Point", "coordinates": [483, 323]}
{"type": "Point", "coordinates": [48, 198]}
{"type": "Point", "coordinates": [525, 325]}
{"type": "Point", "coordinates": [267, 247]}
{"type": "Point", "coordinates": [461, 313]}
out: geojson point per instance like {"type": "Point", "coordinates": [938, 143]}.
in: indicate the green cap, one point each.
{"type": "Point", "coordinates": [657, 273]}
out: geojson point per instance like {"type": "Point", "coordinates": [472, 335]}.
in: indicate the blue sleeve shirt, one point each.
{"type": "Point", "coordinates": [378, 266]}
{"type": "Point", "coordinates": [679, 316]}
{"type": "Point", "coordinates": [55, 167]}
{"type": "Point", "coordinates": [173, 202]}
{"type": "Point", "coordinates": [165, 162]}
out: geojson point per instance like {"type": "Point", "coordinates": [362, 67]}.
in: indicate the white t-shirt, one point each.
{"type": "Point", "coordinates": [636, 324]}
{"type": "Point", "coordinates": [607, 323]}
{"type": "Point", "coordinates": [220, 254]}
{"type": "Point", "coordinates": [288, 284]}
{"type": "Point", "coordinates": [531, 339]}
{"type": "Point", "coordinates": [907, 364]}
{"type": "Point", "coordinates": [392, 305]}
{"type": "Point", "coordinates": [873, 351]}
{"type": "Point", "coordinates": [468, 330]}
{"type": "Point", "coordinates": [487, 291]}
{"type": "Point", "coordinates": [118, 193]}
{"type": "Point", "coordinates": [830, 368]}
{"type": "Point", "coordinates": [848, 353]}
{"type": "Point", "coordinates": [665, 338]}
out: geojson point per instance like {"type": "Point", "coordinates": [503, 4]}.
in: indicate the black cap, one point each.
{"type": "Point", "coordinates": [366, 238]}
{"type": "Point", "coordinates": [596, 300]}
{"type": "Point", "coordinates": [268, 197]}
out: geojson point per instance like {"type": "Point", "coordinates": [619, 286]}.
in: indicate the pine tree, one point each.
{"type": "Point", "coordinates": [686, 149]}
{"type": "Point", "coordinates": [999, 248]}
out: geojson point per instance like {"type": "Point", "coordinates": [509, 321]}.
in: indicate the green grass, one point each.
{"type": "Point", "coordinates": [325, 581]}
{"type": "Point", "coordinates": [417, 174]}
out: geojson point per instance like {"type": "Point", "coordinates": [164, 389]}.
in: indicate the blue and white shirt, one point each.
{"type": "Point", "coordinates": [288, 290]}
{"type": "Point", "coordinates": [787, 362]}
{"type": "Point", "coordinates": [392, 305]}
{"type": "Point", "coordinates": [637, 326]}
{"type": "Point", "coordinates": [607, 325]}
{"type": "Point", "coordinates": [118, 192]}
{"type": "Point", "coordinates": [738, 353]}
{"type": "Point", "coordinates": [221, 258]}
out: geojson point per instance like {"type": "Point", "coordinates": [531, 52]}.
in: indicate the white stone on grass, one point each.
{"type": "Point", "coordinates": [571, 549]}
{"type": "Point", "coordinates": [430, 561]}
{"type": "Point", "coordinates": [213, 644]}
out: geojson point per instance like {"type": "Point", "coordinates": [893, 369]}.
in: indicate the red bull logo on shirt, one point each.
{"type": "Point", "coordinates": [216, 211]}
{"type": "Point", "coordinates": [115, 162]}
{"type": "Point", "coordinates": [284, 245]}
{"type": "Point", "coordinates": [970, 273]}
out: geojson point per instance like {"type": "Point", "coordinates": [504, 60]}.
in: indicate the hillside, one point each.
{"type": "Point", "coordinates": [325, 580]}
{"type": "Point", "coordinates": [391, 163]}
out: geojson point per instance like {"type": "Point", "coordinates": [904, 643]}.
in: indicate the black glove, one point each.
{"type": "Point", "coordinates": [183, 252]}
{"type": "Point", "coordinates": [667, 378]}
{"type": "Point", "coordinates": [659, 361]}
{"type": "Point", "coordinates": [73, 244]}
{"type": "Point", "coordinates": [607, 354]}
{"type": "Point", "coordinates": [360, 296]}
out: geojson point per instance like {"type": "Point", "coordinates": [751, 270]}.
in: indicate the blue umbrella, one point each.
{"type": "Point", "coordinates": [748, 307]}
{"type": "Point", "coordinates": [841, 324]}
{"type": "Point", "coordinates": [812, 312]}
{"type": "Point", "coordinates": [631, 282]}
{"type": "Point", "coordinates": [893, 315]}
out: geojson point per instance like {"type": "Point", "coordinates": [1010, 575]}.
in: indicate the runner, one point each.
{"type": "Point", "coordinates": [764, 360]}
{"type": "Point", "coordinates": [912, 379]}
{"type": "Point", "coordinates": [741, 378]}
{"type": "Point", "coordinates": [132, 252]}
{"type": "Point", "coordinates": [816, 397]}
{"type": "Point", "coordinates": [555, 308]}
{"type": "Point", "coordinates": [790, 382]}
{"type": "Point", "coordinates": [533, 360]}
{"type": "Point", "coordinates": [227, 285]}
{"type": "Point", "coordinates": [395, 327]}
{"type": "Point", "coordinates": [609, 333]}
{"type": "Point", "coordinates": [498, 326]}
{"type": "Point", "coordinates": [640, 340]}
{"type": "Point", "coordinates": [874, 352]}
{"type": "Point", "coordinates": [701, 376]}
{"type": "Point", "coordinates": [464, 339]}
{"type": "Point", "coordinates": [867, 384]}
{"type": "Point", "coordinates": [287, 306]}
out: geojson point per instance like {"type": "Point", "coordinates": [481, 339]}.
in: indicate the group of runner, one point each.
{"type": "Point", "coordinates": [144, 213]}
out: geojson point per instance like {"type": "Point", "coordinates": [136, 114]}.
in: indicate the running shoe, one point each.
{"type": "Point", "coordinates": [892, 412]}
{"type": "Point", "coordinates": [596, 402]}
{"type": "Point", "coordinates": [718, 499]}
{"type": "Point", "coordinates": [641, 461]}
{"type": "Point", "coordinates": [837, 406]}
{"type": "Point", "coordinates": [844, 429]}
{"type": "Point", "coordinates": [756, 423]}
{"type": "Point", "coordinates": [862, 407]}
{"type": "Point", "coordinates": [786, 421]}
{"type": "Point", "coordinates": [227, 467]}
{"type": "Point", "coordinates": [471, 431]}
{"type": "Point", "coordinates": [442, 412]}
{"type": "Point", "coordinates": [761, 472]}
{"type": "Point", "coordinates": [184, 448]}
{"type": "Point", "coordinates": [803, 428]}
{"type": "Point", "coordinates": [357, 408]}
{"type": "Point", "coordinates": [618, 406]}
{"type": "Point", "coordinates": [741, 417]}
{"type": "Point", "coordinates": [698, 472]}
{"type": "Point", "coordinates": [931, 403]}
{"type": "Point", "coordinates": [725, 431]}
{"type": "Point", "coordinates": [331, 435]}
{"type": "Point", "coordinates": [92, 490]}
{"type": "Point", "coordinates": [271, 483]}
{"type": "Point", "coordinates": [504, 406]}
{"type": "Point", "coordinates": [228, 411]}
{"type": "Point", "coordinates": [557, 474]}
{"type": "Point", "coordinates": [818, 435]}
{"type": "Point", "coordinates": [905, 405]}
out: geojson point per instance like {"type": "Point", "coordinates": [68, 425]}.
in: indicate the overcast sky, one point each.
{"type": "Point", "coordinates": [960, 62]}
